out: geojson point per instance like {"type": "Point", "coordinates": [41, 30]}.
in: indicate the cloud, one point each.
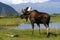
{"type": "Point", "coordinates": [6, 1]}
{"type": "Point", "coordinates": [28, 1]}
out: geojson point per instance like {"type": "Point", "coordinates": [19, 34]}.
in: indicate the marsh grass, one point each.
{"type": "Point", "coordinates": [9, 21]}
{"type": "Point", "coordinates": [15, 21]}
{"type": "Point", "coordinates": [26, 34]}
{"type": "Point", "coordinates": [55, 19]}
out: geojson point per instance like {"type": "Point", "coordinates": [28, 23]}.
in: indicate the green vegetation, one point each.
{"type": "Point", "coordinates": [26, 34]}
{"type": "Point", "coordinates": [55, 18]}
{"type": "Point", "coordinates": [11, 21]}
{"type": "Point", "coordinates": [14, 21]}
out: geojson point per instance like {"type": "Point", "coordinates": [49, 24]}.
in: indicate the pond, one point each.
{"type": "Point", "coordinates": [28, 26]}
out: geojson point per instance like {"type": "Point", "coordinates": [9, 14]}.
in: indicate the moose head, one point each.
{"type": "Point", "coordinates": [25, 12]}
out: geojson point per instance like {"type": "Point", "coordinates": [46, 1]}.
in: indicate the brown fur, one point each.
{"type": "Point", "coordinates": [37, 17]}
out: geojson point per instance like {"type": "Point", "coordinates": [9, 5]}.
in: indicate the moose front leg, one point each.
{"type": "Point", "coordinates": [32, 23]}
{"type": "Point", "coordinates": [38, 28]}
{"type": "Point", "coordinates": [32, 20]}
{"type": "Point", "coordinates": [32, 28]}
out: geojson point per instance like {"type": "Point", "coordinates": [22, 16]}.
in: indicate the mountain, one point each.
{"type": "Point", "coordinates": [49, 7]}
{"type": "Point", "coordinates": [6, 10]}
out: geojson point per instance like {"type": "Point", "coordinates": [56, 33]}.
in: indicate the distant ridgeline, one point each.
{"type": "Point", "coordinates": [6, 10]}
{"type": "Point", "coordinates": [56, 14]}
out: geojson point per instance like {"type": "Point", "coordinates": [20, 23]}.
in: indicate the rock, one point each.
{"type": "Point", "coordinates": [12, 35]}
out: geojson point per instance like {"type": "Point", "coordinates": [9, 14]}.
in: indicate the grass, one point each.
{"type": "Point", "coordinates": [15, 21]}
{"type": "Point", "coordinates": [11, 21]}
{"type": "Point", "coordinates": [55, 19]}
{"type": "Point", "coordinates": [26, 34]}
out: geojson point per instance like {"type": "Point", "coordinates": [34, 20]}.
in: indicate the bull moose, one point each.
{"type": "Point", "coordinates": [36, 17]}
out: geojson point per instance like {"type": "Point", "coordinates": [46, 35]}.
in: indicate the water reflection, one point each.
{"type": "Point", "coordinates": [28, 26]}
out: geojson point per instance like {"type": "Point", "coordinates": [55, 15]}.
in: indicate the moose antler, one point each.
{"type": "Point", "coordinates": [23, 10]}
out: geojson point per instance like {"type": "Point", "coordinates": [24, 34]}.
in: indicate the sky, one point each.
{"type": "Point", "coordinates": [27, 1]}
{"type": "Point", "coordinates": [55, 0]}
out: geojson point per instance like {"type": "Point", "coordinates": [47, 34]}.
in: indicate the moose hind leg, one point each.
{"type": "Point", "coordinates": [47, 29]}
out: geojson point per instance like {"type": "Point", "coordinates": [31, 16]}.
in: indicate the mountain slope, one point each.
{"type": "Point", "coordinates": [6, 10]}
